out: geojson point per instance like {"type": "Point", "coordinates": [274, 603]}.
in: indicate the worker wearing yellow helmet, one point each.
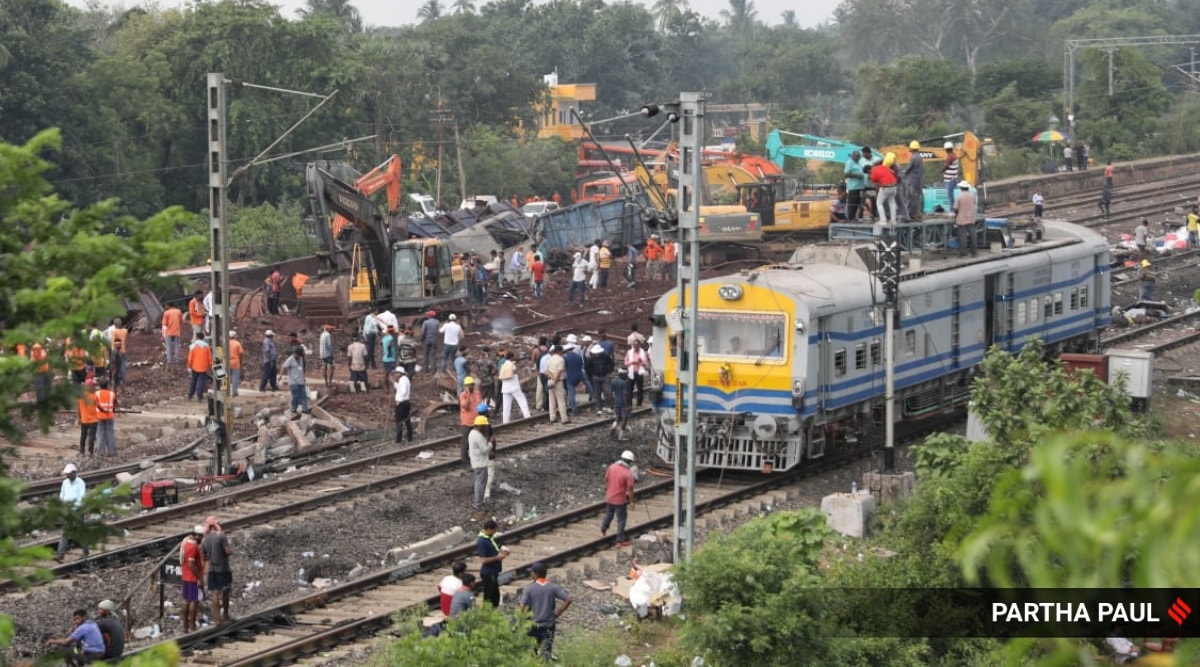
{"type": "Point", "coordinates": [914, 145]}
{"type": "Point", "coordinates": [479, 450]}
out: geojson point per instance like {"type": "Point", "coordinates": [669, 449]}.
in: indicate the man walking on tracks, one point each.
{"type": "Point", "coordinates": [172, 321]}
{"type": "Point", "coordinates": [219, 576]}
{"type": "Point", "coordinates": [199, 363]}
{"type": "Point", "coordinates": [618, 496]}
{"type": "Point", "coordinates": [72, 492]}
{"type": "Point", "coordinates": [193, 577]}
{"type": "Point", "coordinates": [541, 598]}
{"type": "Point", "coordinates": [403, 387]}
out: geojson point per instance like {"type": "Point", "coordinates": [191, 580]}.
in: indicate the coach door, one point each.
{"type": "Point", "coordinates": [997, 297]}
{"type": "Point", "coordinates": [825, 367]}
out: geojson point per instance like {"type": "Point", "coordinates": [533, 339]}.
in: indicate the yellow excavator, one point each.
{"type": "Point", "coordinates": [366, 258]}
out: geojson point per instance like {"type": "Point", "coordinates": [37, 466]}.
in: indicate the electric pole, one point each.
{"type": "Point", "coordinates": [688, 200]}
{"type": "Point", "coordinates": [220, 414]}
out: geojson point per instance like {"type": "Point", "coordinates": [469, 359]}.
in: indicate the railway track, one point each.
{"type": "Point", "coordinates": [152, 534]}
{"type": "Point", "coordinates": [149, 421]}
{"type": "Point", "coordinates": [1146, 329]}
{"type": "Point", "coordinates": [1170, 194]}
{"type": "Point", "coordinates": [347, 617]}
{"type": "Point", "coordinates": [351, 611]}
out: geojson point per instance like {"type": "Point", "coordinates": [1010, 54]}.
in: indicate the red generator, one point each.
{"type": "Point", "coordinates": [159, 494]}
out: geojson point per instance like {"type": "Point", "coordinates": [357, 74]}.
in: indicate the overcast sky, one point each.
{"type": "Point", "coordinates": [809, 13]}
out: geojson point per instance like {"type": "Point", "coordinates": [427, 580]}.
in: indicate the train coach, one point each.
{"type": "Point", "coordinates": [791, 359]}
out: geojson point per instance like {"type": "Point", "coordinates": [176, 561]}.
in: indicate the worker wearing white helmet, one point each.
{"type": "Point", "coordinates": [618, 496]}
{"type": "Point", "coordinates": [950, 173]}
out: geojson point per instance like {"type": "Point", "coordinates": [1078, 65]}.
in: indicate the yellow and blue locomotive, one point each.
{"type": "Point", "coordinates": [791, 359]}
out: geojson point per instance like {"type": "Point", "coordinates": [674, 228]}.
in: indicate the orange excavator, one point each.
{"type": "Point", "coordinates": [367, 258]}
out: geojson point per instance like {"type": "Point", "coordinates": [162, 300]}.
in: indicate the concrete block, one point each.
{"type": "Point", "coordinates": [890, 487]}
{"type": "Point", "coordinates": [438, 543]}
{"type": "Point", "coordinates": [849, 513]}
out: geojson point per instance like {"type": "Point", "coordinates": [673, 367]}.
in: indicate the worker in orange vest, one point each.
{"type": "Point", "coordinates": [42, 379]}
{"type": "Point", "coordinates": [87, 419]}
{"type": "Point", "coordinates": [106, 412]}
{"type": "Point", "coordinates": [235, 363]}
{"type": "Point", "coordinates": [196, 313]}
{"type": "Point", "coordinates": [670, 248]}
{"type": "Point", "coordinates": [172, 321]}
{"type": "Point", "coordinates": [654, 253]}
{"type": "Point", "coordinates": [199, 362]}
{"type": "Point", "coordinates": [77, 358]}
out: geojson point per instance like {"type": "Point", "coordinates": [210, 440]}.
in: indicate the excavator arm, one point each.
{"type": "Point", "coordinates": [386, 175]}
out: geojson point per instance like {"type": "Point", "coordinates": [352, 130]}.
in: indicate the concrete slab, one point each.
{"type": "Point", "coordinates": [849, 513]}
{"type": "Point", "coordinates": [890, 487]}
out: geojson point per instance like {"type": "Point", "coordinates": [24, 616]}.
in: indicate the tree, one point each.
{"type": "Point", "coordinates": [479, 636]}
{"type": "Point", "coordinates": [740, 17]}
{"type": "Point", "coordinates": [464, 7]}
{"type": "Point", "coordinates": [746, 592]}
{"type": "Point", "coordinates": [60, 269]}
{"type": "Point", "coordinates": [430, 11]}
{"type": "Point", "coordinates": [340, 10]}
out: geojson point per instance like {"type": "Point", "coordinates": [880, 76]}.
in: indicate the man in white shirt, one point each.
{"type": "Point", "coordinates": [387, 319]}
{"type": "Point", "coordinates": [594, 262]}
{"type": "Point", "coordinates": [579, 271]}
{"type": "Point", "coordinates": [72, 492]}
{"type": "Point", "coordinates": [452, 333]}
{"type": "Point", "coordinates": [403, 387]}
{"type": "Point", "coordinates": [370, 332]}
{"type": "Point", "coordinates": [326, 352]}
{"type": "Point", "coordinates": [510, 387]}
{"type": "Point", "coordinates": [208, 300]}
{"type": "Point", "coordinates": [517, 263]}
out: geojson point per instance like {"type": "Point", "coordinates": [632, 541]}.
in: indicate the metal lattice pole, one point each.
{"type": "Point", "coordinates": [218, 227]}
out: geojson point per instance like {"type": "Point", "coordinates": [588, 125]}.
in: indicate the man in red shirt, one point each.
{"type": "Point", "coordinates": [618, 496]}
{"type": "Point", "coordinates": [193, 567]}
{"type": "Point", "coordinates": [538, 270]}
{"type": "Point", "coordinates": [884, 180]}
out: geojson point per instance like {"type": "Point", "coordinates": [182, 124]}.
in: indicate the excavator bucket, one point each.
{"type": "Point", "coordinates": [326, 299]}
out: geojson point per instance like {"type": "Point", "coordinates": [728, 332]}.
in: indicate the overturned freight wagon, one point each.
{"type": "Point", "coordinates": [618, 221]}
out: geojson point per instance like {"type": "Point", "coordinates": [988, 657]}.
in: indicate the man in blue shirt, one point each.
{"type": "Point", "coordinates": [856, 183]}
{"type": "Point", "coordinates": [84, 645]}
{"type": "Point", "coordinates": [574, 361]}
{"type": "Point", "coordinates": [491, 557]}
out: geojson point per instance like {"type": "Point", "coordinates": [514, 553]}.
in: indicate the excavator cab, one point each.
{"type": "Point", "coordinates": [759, 198]}
{"type": "Point", "coordinates": [423, 274]}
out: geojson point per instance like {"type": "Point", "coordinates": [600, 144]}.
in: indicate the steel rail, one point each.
{"type": "Point", "coordinates": [200, 507]}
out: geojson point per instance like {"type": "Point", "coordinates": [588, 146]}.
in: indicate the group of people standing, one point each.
{"type": "Point", "coordinates": [878, 185]}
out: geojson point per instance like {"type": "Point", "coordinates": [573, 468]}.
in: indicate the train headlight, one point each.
{"type": "Point", "coordinates": [656, 381]}
{"type": "Point", "coordinates": [730, 292]}
{"type": "Point", "coordinates": [798, 393]}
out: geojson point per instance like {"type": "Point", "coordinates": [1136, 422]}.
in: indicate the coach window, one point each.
{"type": "Point", "coordinates": [743, 336]}
{"type": "Point", "coordinates": [860, 357]}
{"type": "Point", "coordinates": [1075, 299]}
{"type": "Point", "coordinates": [876, 357]}
{"type": "Point", "coordinates": [1047, 307]}
{"type": "Point", "coordinates": [1083, 297]}
{"type": "Point", "coordinates": [1021, 306]}
{"type": "Point", "coordinates": [1058, 303]}
{"type": "Point", "coordinates": [839, 362]}
{"type": "Point", "coordinates": [1033, 309]}
{"type": "Point", "coordinates": [910, 342]}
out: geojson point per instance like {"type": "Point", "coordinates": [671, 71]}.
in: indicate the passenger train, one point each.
{"type": "Point", "coordinates": [791, 358]}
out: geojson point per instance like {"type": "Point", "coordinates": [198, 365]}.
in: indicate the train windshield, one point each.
{"type": "Point", "coordinates": [741, 336]}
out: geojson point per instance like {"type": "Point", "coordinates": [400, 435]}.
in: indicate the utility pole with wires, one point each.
{"type": "Point", "coordinates": [441, 116]}
{"type": "Point", "coordinates": [220, 413]}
